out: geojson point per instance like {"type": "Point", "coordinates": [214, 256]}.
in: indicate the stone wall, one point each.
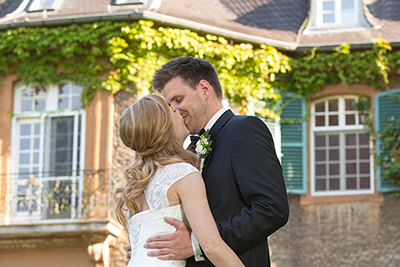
{"type": "Point", "coordinates": [346, 234]}
{"type": "Point", "coordinates": [122, 157]}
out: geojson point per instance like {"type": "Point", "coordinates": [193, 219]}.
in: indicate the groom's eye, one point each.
{"type": "Point", "coordinates": [178, 100]}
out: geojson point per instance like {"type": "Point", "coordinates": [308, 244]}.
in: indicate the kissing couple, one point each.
{"type": "Point", "coordinates": [177, 215]}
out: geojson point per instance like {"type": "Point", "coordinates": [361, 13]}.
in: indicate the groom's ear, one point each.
{"type": "Point", "coordinates": [205, 88]}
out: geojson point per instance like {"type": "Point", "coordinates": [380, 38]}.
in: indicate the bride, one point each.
{"type": "Point", "coordinates": [163, 180]}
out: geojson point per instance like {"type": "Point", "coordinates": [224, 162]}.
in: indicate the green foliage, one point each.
{"type": "Point", "coordinates": [389, 151]}
{"type": "Point", "coordinates": [315, 70]}
{"type": "Point", "coordinates": [124, 55]}
{"type": "Point", "coordinates": [390, 139]}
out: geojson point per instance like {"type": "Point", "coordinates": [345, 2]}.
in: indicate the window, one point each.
{"type": "Point", "coordinates": [340, 149]}
{"type": "Point", "coordinates": [42, 4]}
{"type": "Point", "coordinates": [48, 129]}
{"type": "Point", "coordinates": [128, 2]}
{"type": "Point", "coordinates": [333, 13]}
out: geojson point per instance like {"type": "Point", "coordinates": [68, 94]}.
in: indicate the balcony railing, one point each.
{"type": "Point", "coordinates": [65, 195]}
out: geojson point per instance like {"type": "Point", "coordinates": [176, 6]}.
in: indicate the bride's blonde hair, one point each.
{"type": "Point", "coordinates": [146, 127]}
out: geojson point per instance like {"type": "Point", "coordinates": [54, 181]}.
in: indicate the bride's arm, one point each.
{"type": "Point", "coordinates": [191, 191]}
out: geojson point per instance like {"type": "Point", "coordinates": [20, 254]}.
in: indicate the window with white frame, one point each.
{"type": "Point", "coordinates": [331, 13]}
{"type": "Point", "coordinates": [128, 2]}
{"type": "Point", "coordinates": [340, 148]}
{"type": "Point", "coordinates": [42, 4]}
{"type": "Point", "coordinates": [47, 151]}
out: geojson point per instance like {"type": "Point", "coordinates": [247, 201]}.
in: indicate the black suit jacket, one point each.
{"type": "Point", "coordinates": [245, 187]}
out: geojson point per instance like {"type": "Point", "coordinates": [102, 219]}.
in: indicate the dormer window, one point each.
{"type": "Point", "coordinates": [128, 2]}
{"type": "Point", "coordinates": [337, 12]}
{"type": "Point", "coordinates": [38, 5]}
{"type": "Point", "coordinates": [336, 15]}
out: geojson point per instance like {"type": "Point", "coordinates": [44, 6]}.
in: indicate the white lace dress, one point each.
{"type": "Point", "coordinates": [151, 222]}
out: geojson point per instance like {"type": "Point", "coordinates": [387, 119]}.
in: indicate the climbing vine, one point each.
{"type": "Point", "coordinates": [124, 55]}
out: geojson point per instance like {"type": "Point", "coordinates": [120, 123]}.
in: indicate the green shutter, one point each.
{"type": "Point", "coordinates": [293, 145]}
{"type": "Point", "coordinates": [387, 106]}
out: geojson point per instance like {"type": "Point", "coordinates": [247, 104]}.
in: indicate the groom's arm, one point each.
{"type": "Point", "coordinates": [258, 174]}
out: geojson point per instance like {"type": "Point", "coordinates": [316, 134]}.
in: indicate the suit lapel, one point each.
{"type": "Point", "coordinates": [219, 124]}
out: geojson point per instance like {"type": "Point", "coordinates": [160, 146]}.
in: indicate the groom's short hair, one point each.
{"type": "Point", "coordinates": [192, 70]}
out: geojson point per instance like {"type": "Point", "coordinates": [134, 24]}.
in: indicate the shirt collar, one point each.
{"type": "Point", "coordinates": [215, 118]}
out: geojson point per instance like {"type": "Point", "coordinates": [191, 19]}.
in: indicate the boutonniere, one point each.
{"type": "Point", "coordinates": [203, 146]}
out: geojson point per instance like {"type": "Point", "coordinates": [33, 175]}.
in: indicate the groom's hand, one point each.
{"type": "Point", "coordinates": [175, 246]}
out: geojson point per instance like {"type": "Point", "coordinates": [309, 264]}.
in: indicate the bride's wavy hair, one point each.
{"type": "Point", "coordinates": [146, 127]}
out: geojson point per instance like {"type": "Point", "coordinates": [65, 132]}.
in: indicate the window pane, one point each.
{"type": "Point", "coordinates": [333, 140]}
{"type": "Point", "coordinates": [333, 105]}
{"type": "Point", "coordinates": [26, 105]}
{"type": "Point", "coordinates": [350, 103]}
{"type": "Point", "coordinates": [328, 5]}
{"type": "Point", "coordinates": [320, 185]}
{"type": "Point", "coordinates": [351, 119]}
{"type": "Point", "coordinates": [347, 4]}
{"type": "Point", "coordinates": [334, 184]}
{"type": "Point", "coordinates": [24, 158]}
{"type": "Point", "coordinates": [364, 153]}
{"type": "Point", "coordinates": [334, 154]}
{"type": "Point", "coordinates": [24, 144]}
{"type": "Point", "coordinates": [333, 120]}
{"type": "Point", "coordinates": [365, 183]}
{"type": "Point", "coordinates": [364, 168]}
{"type": "Point", "coordinates": [333, 169]}
{"type": "Point", "coordinates": [351, 183]}
{"type": "Point", "coordinates": [320, 155]}
{"type": "Point", "coordinates": [25, 129]}
{"type": "Point", "coordinates": [351, 168]}
{"type": "Point", "coordinates": [76, 89]}
{"type": "Point", "coordinates": [61, 152]}
{"type": "Point", "coordinates": [27, 92]}
{"type": "Point", "coordinates": [348, 17]}
{"type": "Point", "coordinates": [63, 89]}
{"type": "Point", "coordinates": [350, 139]}
{"type": "Point", "coordinates": [319, 120]}
{"type": "Point", "coordinates": [76, 102]}
{"type": "Point", "coordinates": [41, 4]}
{"type": "Point", "coordinates": [328, 18]}
{"type": "Point", "coordinates": [63, 103]}
{"type": "Point", "coordinates": [320, 140]}
{"type": "Point", "coordinates": [36, 128]}
{"type": "Point", "coordinates": [23, 173]}
{"type": "Point", "coordinates": [350, 154]}
{"type": "Point", "coordinates": [40, 104]}
{"type": "Point", "coordinates": [320, 107]}
{"type": "Point", "coordinates": [36, 143]}
{"type": "Point", "coordinates": [364, 139]}
{"type": "Point", "coordinates": [320, 169]}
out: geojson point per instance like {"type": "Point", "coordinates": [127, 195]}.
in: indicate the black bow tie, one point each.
{"type": "Point", "coordinates": [193, 141]}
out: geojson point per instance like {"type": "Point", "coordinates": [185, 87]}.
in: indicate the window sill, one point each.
{"type": "Point", "coordinates": [310, 200]}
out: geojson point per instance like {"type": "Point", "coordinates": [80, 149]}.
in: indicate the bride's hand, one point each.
{"type": "Point", "coordinates": [175, 246]}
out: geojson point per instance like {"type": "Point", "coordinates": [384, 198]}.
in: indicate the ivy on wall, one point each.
{"type": "Point", "coordinates": [129, 53]}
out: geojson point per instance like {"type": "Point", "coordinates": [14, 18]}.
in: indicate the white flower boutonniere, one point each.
{"type": "Point", "coordinates": [203, 146]}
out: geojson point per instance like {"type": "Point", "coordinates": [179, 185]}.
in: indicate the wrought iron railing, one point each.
{"type": "Point", "coordinates": [66, 194]}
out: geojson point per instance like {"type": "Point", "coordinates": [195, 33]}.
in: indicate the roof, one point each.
{"type": "Point", "coordinates": [280, 23]}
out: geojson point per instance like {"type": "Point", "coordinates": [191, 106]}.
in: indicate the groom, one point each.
{"type": "Point", "coordinates": [243, 176]}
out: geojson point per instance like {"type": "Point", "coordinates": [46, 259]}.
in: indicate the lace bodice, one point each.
{"type": "Point", "coordinates": [148, 223]}
{"type": "Point", "coordinates": [156, 191]}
